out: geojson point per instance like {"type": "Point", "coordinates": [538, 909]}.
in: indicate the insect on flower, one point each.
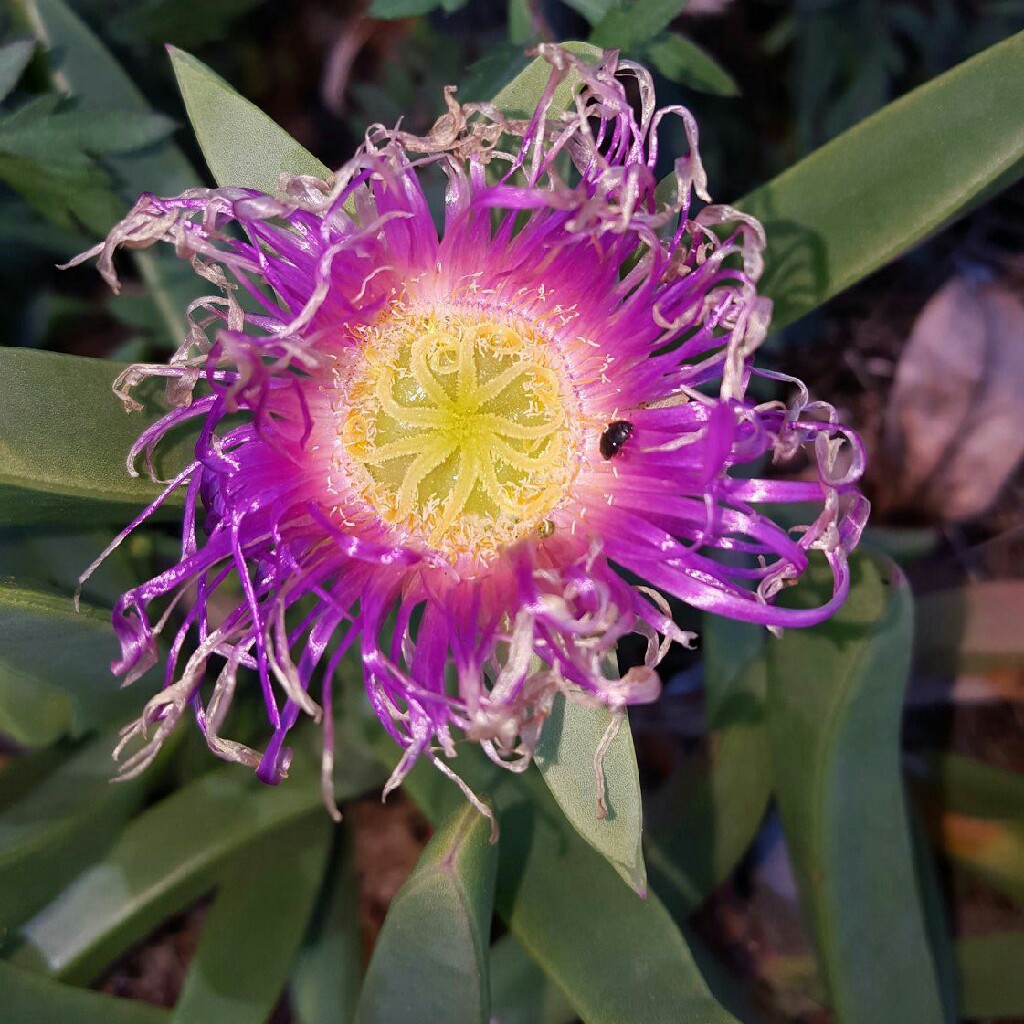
{"type": "Point", "coordinates": [615, 435]}
{"type": "Point", "coordinates": [412, 416]}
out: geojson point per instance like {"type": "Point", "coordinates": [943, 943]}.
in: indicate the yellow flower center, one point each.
{"type": "Point", "coordinates": [460, 429]}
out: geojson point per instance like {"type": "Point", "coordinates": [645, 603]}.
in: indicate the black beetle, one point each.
{"type": "Point", "coordinates": [614, 437]}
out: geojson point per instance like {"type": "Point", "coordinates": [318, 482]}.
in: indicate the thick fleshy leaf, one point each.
{"type": "Point", "coordinates": [431, 959]}
{"type": "Point", "coordinates": [64, 439]}
{"type": "Point", "coordinates": [168, 856]}
{"type": "Point", "coordinates": [52, 558]}
{"type": "Point", "coordinates": [558, 895]}
{"type": "Point", "coordinates": [241, 144]}
{"type": "Point", "coordinates": [718, 821]}
{"type": "Point", "coordinates": [520, 97]}
{"type": "Point", "coordinates": [682, 60]}
{"type": "Point", "coordinates": [55, 667]}
{"type": "Point", "coordinates": [329, 971]}
{"type": "Point", "coordinates": [713, 818]}
{"type": "Point", "coordinates": [935, 912]}
{"type": "Point", "coordinates": [991, 981]}
{"type": "Point", "coordinates": [253, 931]}
{"type": "Point", "coordinates": [59, 826]}
{"type": "Point", "coordinates": [566, 757]}
{"type": "Point", "coordinates": [14, 58]}
{"type": "Point", "coordinates": [835, 694]}
{"type": "Point", "coordinates": [521, 993]}
{"type": "Point", "coordinates": [867, 196]}
{"type": "Point", "coordinates": [22, 774]}
{"type": "Point", "coordinates": [29, 998]}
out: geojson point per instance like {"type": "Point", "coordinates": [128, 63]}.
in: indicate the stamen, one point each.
{"type": "Point", "coordinates": [460, 427]}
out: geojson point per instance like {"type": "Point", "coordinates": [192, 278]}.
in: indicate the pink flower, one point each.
{"type": "Point", "coordinates": [446, 448]}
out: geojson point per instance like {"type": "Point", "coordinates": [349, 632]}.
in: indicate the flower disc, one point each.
{"type": "Point", "coordinates": [460, 428]}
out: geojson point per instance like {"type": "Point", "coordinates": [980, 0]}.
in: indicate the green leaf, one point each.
{"type": "Point", "coordinates": [520, 991]}
{"type": "Point", "coordinates": [329, 971]}
{"type": "Point", "coordinates": [32, 999]}
{"type": "Point", "coordinates": [713, 817]}
{"type": "Point", "coordinates": [255, 926]}
{"type": "Point", "coordinates": [241, 144]}
{"type": "Point", "coordinates": [718, 821]}
{"type": "Point", "coordinates": [558, 895]}
{"type": "Point", "coordinates": [72, 191]}
{"type": "Point", "coordinates": [835, 696]}
{"type": "Point", "coordinates": [21, 774]}
{"type": "Point", "coordinates": [592, 10]}
{"type": "Point", "coordinates": [566, 758]}
{"type": "Point", "coordinates": [633, 22]}
{"type": "Point", "coordinates": [388, 10]}
{"type": "Point", "coordinates": [682, 60]}
{"type": "Point", "coordinates": [59, 826]}
{"type": "Point", "coordinates": [520, 97]}
{"type": "Point", "coordinates": [873, 192]}
{"type": "Point", "coordinates": [991, 981]}
{"type": "Point", "coordinates": [56, 136]}
{"type": "Point", "coordinates": [430, 961]}
{"type": "Point", "coordinates": [14, 58]}
{"type": "Point", "coordinates": [64, 438]}
{"type": "Point", "coordinates": [49, 689]}
{"type": "Point", "coordinates": [735, 671]}
{"type": "Point", "coordinates": [167, 857]}
{"type": "Point", "coordinates": [82, 65]}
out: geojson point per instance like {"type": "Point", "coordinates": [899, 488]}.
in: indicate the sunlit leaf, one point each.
{"type": "Point", "coordinates": [520, 97]}
{"type": "Point", "coordinates": [430, 961]}
{"type": "Point", "coordinates": [64, 438]}
{"type": "Point", "coordinates": [566, 758]}
{"type": "Point", "coordinates": [167, 857]}
{"type": "Point", "coordinates": [241, 144]}
{"type": "Point", "coordinates": [835, 693]}
{"type": "Point", "coordinates": [558, 895]}
{"type": "Point", "coordinates": [254, 928]}
{"type": "Point", "coordinates": [877, 189]}
{"type": "Point", "coordinates": [29, 998]}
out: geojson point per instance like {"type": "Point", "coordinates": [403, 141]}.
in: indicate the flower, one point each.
{"type": "Point", "coordinates": [446, 449]}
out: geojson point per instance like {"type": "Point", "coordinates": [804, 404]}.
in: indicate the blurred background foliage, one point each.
{"type": "Point", "coordinates": [822, 845]}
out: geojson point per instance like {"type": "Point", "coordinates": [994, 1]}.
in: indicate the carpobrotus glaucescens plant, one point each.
{"type": "Point", "coordinates": [461, 441]}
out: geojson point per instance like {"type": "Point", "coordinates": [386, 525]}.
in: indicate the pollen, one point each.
{"type": "Point", "coordinates": [461, 428]}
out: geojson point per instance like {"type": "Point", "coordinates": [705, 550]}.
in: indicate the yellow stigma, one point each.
{"type": "Point", "coordinates": [458, 428]}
